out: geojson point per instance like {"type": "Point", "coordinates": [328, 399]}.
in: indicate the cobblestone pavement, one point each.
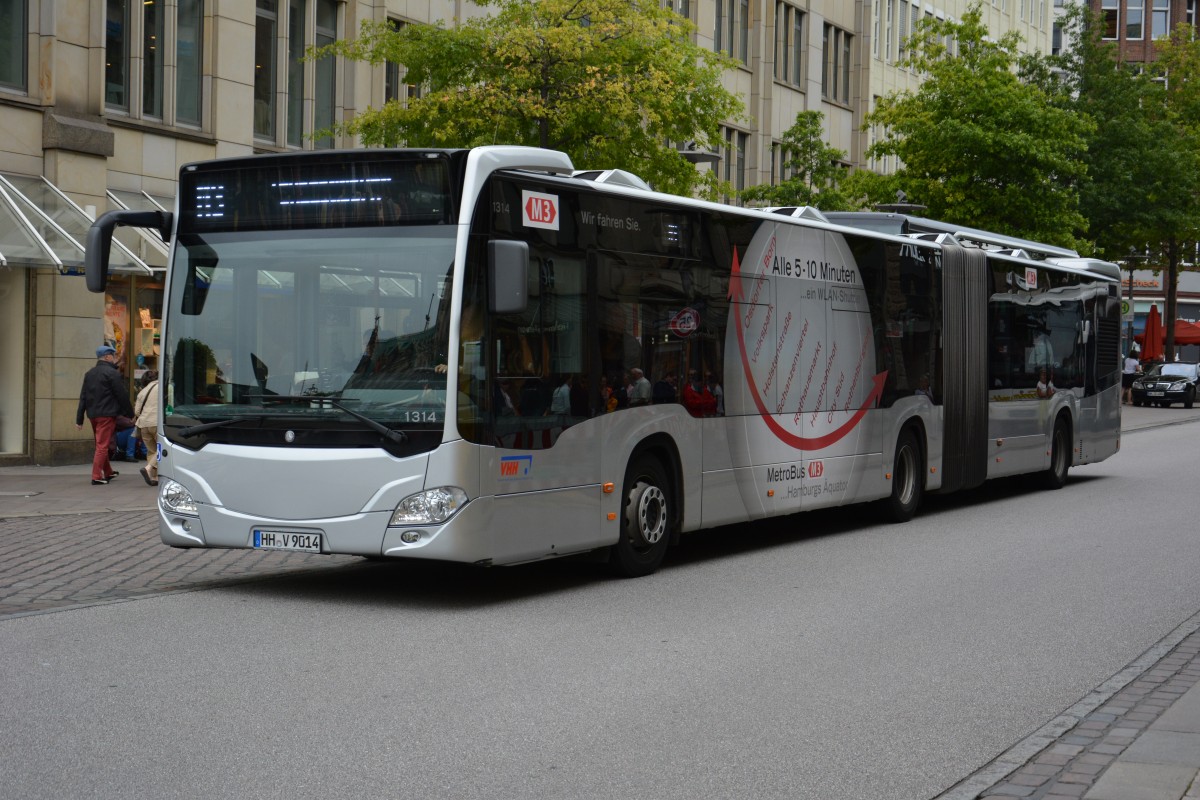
{"type": "Point", "coordinates": [1136, 737]}
{"type": "Point", "coordinates": [53, 562]}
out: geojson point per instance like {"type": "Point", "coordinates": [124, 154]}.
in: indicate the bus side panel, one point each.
{"type": "Point", "coordinates": [805, 380]}
{"type": "Point", "coordinates": [533, 525]}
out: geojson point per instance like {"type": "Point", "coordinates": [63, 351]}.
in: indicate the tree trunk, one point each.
{"type": "Point", "coordinates": [1172, 284]}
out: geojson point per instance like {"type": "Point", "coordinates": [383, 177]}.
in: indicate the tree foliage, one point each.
{"type": "Point", "coordinates": [978, 145]}
{"type": "Point", "coordinates": [610, 82]}
{"type": "Point", "coordinates": [1142, 184]}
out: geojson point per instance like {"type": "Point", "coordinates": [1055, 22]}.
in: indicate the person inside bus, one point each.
{"type": "Point", "coordinates": [697, 399]}
{"type": "Point", "coordinates": [1045, 385]}
{"type": "Point", "coordinates": [560, 401]}
{"type": "Point", "coordinates": [664, 390]}
{"type": "Point", "coordinates": [923, 389]}
{"type": "Point", "coordinates": [504, 403]}
{"type": "Point", "coordinates": [1041, 354]}
{"type": "Point", "coordinates": [640, 391]}
{"type": "Point", "coordinates": [714, 388]}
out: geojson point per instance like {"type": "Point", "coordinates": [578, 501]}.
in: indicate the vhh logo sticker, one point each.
{"type": "Point", "coordinates": [539, 210]}
{"type": "Point", "coordinates": [515, 466]}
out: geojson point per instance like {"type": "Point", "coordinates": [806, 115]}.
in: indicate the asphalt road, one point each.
{"type": "Point", "coordinates": [825, 656]}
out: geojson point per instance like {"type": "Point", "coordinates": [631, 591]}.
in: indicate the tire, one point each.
{"type": "Point", "coordinates": [647, 519]}
{"type": "Point", "coordinates": [1189, 399]}
{"type": "Point", "coordinates": [908, 479]}
{"type": "Point", "coordinates": [1060, 457]}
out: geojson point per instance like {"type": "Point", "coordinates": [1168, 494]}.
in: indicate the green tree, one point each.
{"type": "Point", "coordinates": [813, 169]}
{"type": "Point", "coordinates": [978, 145]}
{"type": "Point", "coordinates": [610, 82]}
{"type": "Point", "coordinates": [1174, 222]}
{"type": "Point", "coordinates": [1119, 192]}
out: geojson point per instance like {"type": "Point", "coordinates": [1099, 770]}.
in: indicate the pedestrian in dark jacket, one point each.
{"type": "Point", "coordinates": [104, 398]}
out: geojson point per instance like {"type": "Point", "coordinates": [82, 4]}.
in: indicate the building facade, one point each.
{"type": "Point", "coordinates": [101, 102]}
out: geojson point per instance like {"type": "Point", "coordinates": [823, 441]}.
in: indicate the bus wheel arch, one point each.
{"type": "Point", "coordinates": [650, 512]}
{"type": "Point", "coordinates": [1055, 476]}
{"type": "Point", "coordinates": [907, 473]}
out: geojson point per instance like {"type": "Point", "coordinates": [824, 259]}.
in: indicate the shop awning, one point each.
{"type": "Point", "coordinates": [42, 227]}
{"type": "Point", "coordinates": [146, 243]}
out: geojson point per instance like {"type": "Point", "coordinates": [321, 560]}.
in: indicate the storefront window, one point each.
{"type": "Point", "coordinates": [12, 361]}
{"type": "Point", "coordinates": [132, 324]}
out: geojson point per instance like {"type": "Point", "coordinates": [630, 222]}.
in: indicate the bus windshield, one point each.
{"type": "Point", "coordinates": [285, 326]}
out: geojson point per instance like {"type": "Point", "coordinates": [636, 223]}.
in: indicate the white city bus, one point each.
{"type": "Point", "coordinates": [436, 354]}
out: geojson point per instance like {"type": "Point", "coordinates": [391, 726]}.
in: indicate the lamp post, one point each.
{"type": "Point", "coordinates": [1129, 261]}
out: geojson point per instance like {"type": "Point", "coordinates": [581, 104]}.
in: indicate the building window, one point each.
{"type": "Point", "coordinates": [732, 32]}
{"type": "Point", "coordinates": [189, 65]}
{"type": "Point", "coordinates": [116, 55]}
{"type": "Point", "coordinates": [295, 74]}
{"type": "Point", "coordinates": [891, 14]}
{"type": "Point", "coordinates": [1056, 40]}
{"type": "Point", "coordinates": [152, 67]}
{"type": "Point", "coordinates": [1160, 18]}
{"type": "Point", "coordinates": [735, 158]}
{"type": "Point", "coordinates": [681, 7]}
{"type": "Point", "coordinates": [266, 23]}
{"type": "Point", "coordinates": [1135, 11]}
{"type": "Point", "coordinates": [394, 86]}
{"type": "Point", "coordinates": [1109, 9]}
{"type": "Point", "coordinates": [835, 64]}
{"type": "Point", "coordinates": [308, 97]}
{"type": "Point", "coordinates": [153, 43]}
{"type": "Point", "coordinates": [326, 69]}
{"type": "Point", "coordinates": [14, 42]}
{"type": "Point", "coordinates": [789, 43]}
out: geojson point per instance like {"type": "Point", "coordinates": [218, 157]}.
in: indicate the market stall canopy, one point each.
{"type": "Point", "coordinates": [42, 227]}
{"type": "Point", "coordinates": [1185, 333]}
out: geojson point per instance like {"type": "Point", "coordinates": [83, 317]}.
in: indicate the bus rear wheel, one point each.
{"type": "Point", "coordinates": [908, 479]}
{"type": "Point", "coordinates": [1060, 457]}
{"type": "Point", "coordinates": [646, 519]}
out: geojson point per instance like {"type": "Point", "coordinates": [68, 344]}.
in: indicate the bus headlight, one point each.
{"type": "Point", "coordinates": [176, 499]}
{"type": "Point", "coordinates": [429, 507]}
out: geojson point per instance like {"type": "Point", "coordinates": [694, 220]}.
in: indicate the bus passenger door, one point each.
{"type": "Point", "coordinates": [543, 468]}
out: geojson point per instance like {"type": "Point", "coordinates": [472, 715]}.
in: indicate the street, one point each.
{"type": "Point", "coordinates": [822, 656]}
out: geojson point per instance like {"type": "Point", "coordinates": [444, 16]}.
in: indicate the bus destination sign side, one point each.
{"type": "Point", "coordinates": [539, 210]}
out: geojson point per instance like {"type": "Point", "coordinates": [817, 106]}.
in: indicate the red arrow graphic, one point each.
{"type": "Point", "coordinates": [784, 435]}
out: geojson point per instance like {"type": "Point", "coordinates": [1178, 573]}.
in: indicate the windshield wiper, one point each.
{"type": "Point", "coordinates": [398, 437]}
{"type": "Point", "coordinates": [392, 435]}
{"type": "Point", "coordinates": [195, 430]}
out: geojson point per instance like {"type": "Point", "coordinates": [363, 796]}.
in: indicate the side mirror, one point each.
{"type": "Point", "coordinates": [508, 275]}
{"type": "Point", "coordinates": [99, 240]}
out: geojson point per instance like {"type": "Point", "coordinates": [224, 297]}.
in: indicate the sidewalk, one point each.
{"type": "Point", "coordinates": [50, 491]}
{"type": "Point", "coordinates": [1135, 737]}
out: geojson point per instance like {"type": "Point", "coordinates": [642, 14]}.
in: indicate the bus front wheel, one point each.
{"type": "Point", "coordinates": [908, 479]}
{"type": "Point", "coordinates": [645, 519]}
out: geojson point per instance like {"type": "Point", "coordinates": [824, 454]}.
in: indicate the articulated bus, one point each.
{"type": "Point", "coordinates": [486, 356]}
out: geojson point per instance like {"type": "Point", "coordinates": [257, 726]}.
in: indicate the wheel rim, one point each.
{"type": "Point", "coordinates": [651, 515]}
{"type": "Point", "coordinates": [905, 471]}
